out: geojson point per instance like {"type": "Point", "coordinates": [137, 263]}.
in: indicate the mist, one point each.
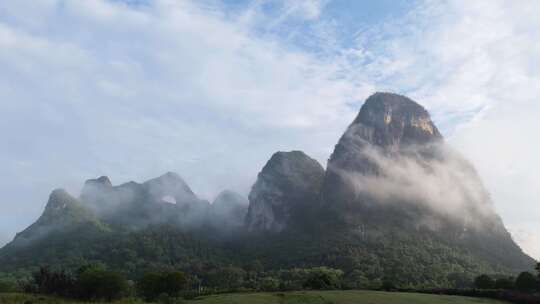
{"type": "Point", "coordinates": [433, 177]}
{"type": "Point", "coordinates": [166, 199]}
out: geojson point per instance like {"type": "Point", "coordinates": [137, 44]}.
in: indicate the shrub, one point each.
{"type": "Point", "coordinates": [460, 280]}
{"type": "Point", "coordinates": [167, 299]}
{"type": "Point", "coordinates": [7, 286]}
{"type": "Point", "coordinates": [484, 282]}
{"type": "Point", "coordinates": [269, 284]}
{"type": "Point", "coordinates": [91, 282]}
{"type": "Point", "coordinates": [148, 286]}
{"type": "Point", "coordinates": [356, 280]}
{"type": "Point", "coordinates": [47, 281]}
{"type": "Point", "coordinates": [323, 278]}
{"type": "Point", "coordinates": [388, 285]}
{"type": "Point", "coordinates": [526, 281]}
{"type": "Point", "coordinates": [504, 283]}
{"type": "Point", "coordinates": [153, 284]}
{"type": "Point", "coordinates": [96, 284]}
{"type": "Point", "coordinates": [173, 283]}
{"type": "Point", "coordinates": [229, 278]}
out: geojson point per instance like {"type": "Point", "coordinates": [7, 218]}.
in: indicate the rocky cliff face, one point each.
{"type": "Point", "coordinates": [392, 170]}
{"type": "Point", "coordinates": [393, 159]}
{"type": "Point", "coordinates": [286, 189]}
{"type": "Point", "coordinates": [391, 120]}
{"type": "Point", "coordinates": [388, 123]}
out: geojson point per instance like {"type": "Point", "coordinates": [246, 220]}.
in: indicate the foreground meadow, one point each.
{"type": "Point", "coordinates": [338, 297]}
{"type": "Point", "coordinates": [304, 297]}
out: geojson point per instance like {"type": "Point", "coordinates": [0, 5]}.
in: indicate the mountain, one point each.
{"type": "Point", "coordinates": [395, 203]}
{"type": "Point", "coordinates": [165, 199]}
{"type": "Point", "coordinates": [229, 210]}
{"type": "Point", "coordinates": [388, 126]}
{"type": "Point", "coordinates": [392, 169]}
{"type": "Point", "coordinates": [64, 227]}
{"type": "Point", "coordinates": [285, 189]}
{"type": "Point", "coordinates": [62, 213]}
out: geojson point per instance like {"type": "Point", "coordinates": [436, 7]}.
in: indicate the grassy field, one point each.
{"type": "Point", "coordinates": [18, 298]}
{"type": "Point", "coordinates": [338, 297]}
{"type": "Point", "coordinates": [300, 297]}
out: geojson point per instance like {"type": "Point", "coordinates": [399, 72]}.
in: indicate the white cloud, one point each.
{"type": "Point", "coordinates": [306, 9]}
{"type": "Point", "coordinates": [98, 87]}
{"type": "Point", "coordinates": [406, 179]}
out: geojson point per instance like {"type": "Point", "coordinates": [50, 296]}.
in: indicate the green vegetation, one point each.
{"type": "Point", "coordinates": [484, 282]}
{"type": "Point", "coordinates": [99, 284]}
{"type": "Point", "coordinates": [341, 297]}
{"type": "Point", "coordinates": [305, 297]}
{"type": "Point", "coordinates": [90, 282]}
{"type": "Point", "coordinates": [525, 282]}
{"type": "Point", "coordinates": [407, 260]}
{"type": "Point", "coordinates": [152, 285]}
{"type": "Point", "coordinates": [93, 282]}
{"type": "Point", "coordinates": [19, 298]}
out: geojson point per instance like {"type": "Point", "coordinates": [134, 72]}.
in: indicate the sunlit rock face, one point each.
{"type": "Point", "coordinates": [391, 120]}
{"type": "Point", "coordinates": [286, 189]}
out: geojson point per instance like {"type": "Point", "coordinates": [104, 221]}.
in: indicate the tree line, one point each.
{"type": "Point", "coordinates": [94, 282]}
{"type": "Point", "coordinates": [524, 282]}
{"type": "Point", "coordinates": [97, 282]}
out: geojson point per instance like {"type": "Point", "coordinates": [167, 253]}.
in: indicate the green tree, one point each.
{"type": "Point", "coordinates": [356, 279]}
{"type": "Point", "coordinates": [148, 287]}
{"type": "Point", "coordinates": [324, 278]}
{"type": "Point", "coordinates": [269, 284]}
{"type": "Point", "coordinates": [153, 285]}
{"type": "Point", "coordinates": [460, 280]}
{"type": "Point", "coordinates": [97, 284]}
{"type": "Point", "coordinates": [229, 278]}
{"type": "Point", "coordinates": [526, 281]}
{"type": "Point", "coordinates": [504, 283]}
{"type": "Point", "coordinates": [388, 285]}
{"type": "Point", "coordinates": [255, 266]}
{"type": "Point", "coordinates": [7, 286]}
{"type": "Point", "coordinates": [47, 281]}
{"type": "Point", "coordinates": [173, 283]}
{"type": "Point", "coordinates": [484, 282]}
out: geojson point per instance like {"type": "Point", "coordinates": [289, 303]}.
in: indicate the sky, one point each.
{"type": "Point", "coordinates": [211, 88]}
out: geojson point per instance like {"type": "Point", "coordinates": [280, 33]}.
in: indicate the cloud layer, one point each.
{"type": "Point", "coordinates": [104, 88]}
{"type": "Point", "coordinates": [432, 177]}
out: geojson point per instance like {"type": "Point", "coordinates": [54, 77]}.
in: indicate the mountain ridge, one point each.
{"type": "Point", "coordinates": [393, 193]}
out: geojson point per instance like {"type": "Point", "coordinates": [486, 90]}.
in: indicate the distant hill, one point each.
{"type": "Point", "coordinates": [395, 203]}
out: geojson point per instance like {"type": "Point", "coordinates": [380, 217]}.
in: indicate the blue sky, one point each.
{"type": "Point", "coordinates": [210, 89]}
